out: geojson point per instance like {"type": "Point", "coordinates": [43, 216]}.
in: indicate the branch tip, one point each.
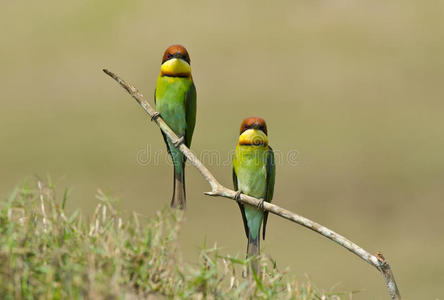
{"type": "Point", "coordinates": [210, 193]}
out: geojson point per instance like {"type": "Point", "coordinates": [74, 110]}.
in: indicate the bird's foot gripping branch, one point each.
{"type": "Point", "coordinates": [219, 190]}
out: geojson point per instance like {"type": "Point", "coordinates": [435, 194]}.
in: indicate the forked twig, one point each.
{"type": "Point", "coordinates": [218, 189]}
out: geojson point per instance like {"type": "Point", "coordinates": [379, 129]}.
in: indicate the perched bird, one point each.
{"type": "Point", "coordinates": [175, 98]}
{"type": "Point", "coordinates": [253, 175]}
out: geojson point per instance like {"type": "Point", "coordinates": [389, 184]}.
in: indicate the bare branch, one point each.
{"type": "Point", "coordinates": [217, 189]}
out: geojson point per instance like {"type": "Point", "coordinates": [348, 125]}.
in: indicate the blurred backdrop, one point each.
{"type": "Point", "coordinates": [352, 90]}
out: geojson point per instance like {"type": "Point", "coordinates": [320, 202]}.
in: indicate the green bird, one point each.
{"type": "Point", "coordinates": [175, 98]}
{"type": "Point", "coordinates": [253, 175]}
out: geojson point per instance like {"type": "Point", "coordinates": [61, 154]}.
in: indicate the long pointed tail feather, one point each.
{"type": "Point", "coordinates": [179, 196]}
{"type": "Point", "coordinates": [253, 249]}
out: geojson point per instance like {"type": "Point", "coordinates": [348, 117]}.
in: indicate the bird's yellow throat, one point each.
{"type": "Point", "coordinates": [176, 67]}
{"type": "Point", "coordinates": [253, 137]}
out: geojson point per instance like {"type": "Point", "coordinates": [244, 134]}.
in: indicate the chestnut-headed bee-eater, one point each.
{"type": "Point", "coordinates": [253, 175]}
{"type": "Point", "coordinates": [175, 98]}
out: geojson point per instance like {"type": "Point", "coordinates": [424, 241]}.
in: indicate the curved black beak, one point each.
{"type": "Point", "coordinates": [178, 55]}
{"type": "Point", "coordinates": [181, 56]}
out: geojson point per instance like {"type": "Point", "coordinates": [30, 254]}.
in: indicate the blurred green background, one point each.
{"type": "Point", "coordinates": [355, 88]}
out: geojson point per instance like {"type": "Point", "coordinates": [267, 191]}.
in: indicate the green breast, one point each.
{"type": "Point", "coordinates": [171, 94]}
{"type": "Point", "coordinates": [250, 167]}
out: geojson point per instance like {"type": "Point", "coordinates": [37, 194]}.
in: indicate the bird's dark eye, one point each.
{"type": "Point", "coordinates": [169, 55]}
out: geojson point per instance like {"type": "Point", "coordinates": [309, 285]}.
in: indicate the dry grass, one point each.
{"type": "Point", "coordinates": [47, 254]}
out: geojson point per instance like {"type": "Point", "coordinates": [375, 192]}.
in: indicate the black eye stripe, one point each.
{"type": "Point", "coordinates": [255, 126]}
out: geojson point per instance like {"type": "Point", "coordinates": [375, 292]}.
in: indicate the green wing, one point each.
{"type": "Point", "coordinates": [190, 113]}
{"type": "Point", "coordinates": [234, 179]}
{"type": "Point", "coordinates": [271, 174]}
{"type": "Point", "coordinates": [163, 134]}
{"type": "Point", "coordinates": [241, 206]}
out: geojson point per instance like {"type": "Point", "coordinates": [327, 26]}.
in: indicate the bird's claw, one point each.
{"type": "Point", "coordinates": [260, 205]}
{"type": "Point", "coordinates": [154, 116]}
{"type": "Point", "coordinates": [237, 196]}
{"type": "Point", "coordinates": [179, 142]}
